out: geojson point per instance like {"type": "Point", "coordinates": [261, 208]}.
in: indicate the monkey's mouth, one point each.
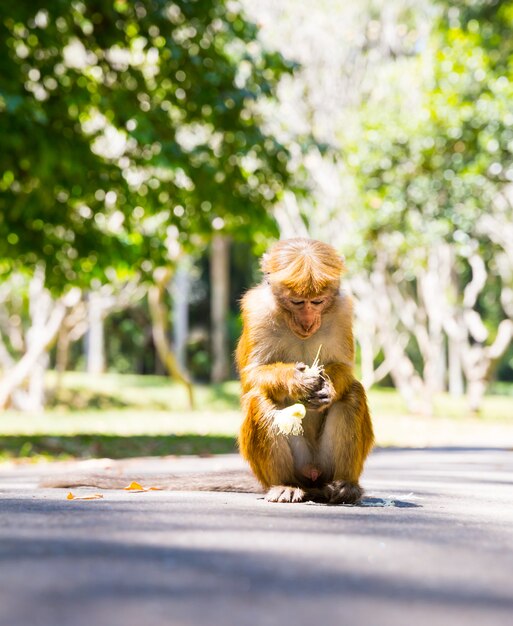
{"type": "Point", "coordinates": [304, 334]}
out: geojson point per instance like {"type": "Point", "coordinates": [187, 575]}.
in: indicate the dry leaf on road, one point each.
{"type": "Point", "coordinates": [134, 487]}
{"type": "Point", "coordinates": [94, 496]}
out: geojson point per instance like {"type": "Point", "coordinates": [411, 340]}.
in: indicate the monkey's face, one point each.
{"type": "Point", "coordinates": [304, 315]}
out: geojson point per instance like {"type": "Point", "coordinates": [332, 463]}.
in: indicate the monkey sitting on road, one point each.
{"type": "Point", "coordinates": [294, 313]}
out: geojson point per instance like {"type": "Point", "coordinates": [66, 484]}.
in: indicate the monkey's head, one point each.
{"type": "Point", "coordinates": [304, 275]}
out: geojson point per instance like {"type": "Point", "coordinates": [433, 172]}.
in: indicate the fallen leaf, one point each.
{"type": "Point", "coordinates": [134, 487]}
{"type": "Point", "coordinates": [94, 496]}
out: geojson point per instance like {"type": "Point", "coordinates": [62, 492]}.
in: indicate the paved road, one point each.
{"type": "Point", "coordinates": [433, 545]}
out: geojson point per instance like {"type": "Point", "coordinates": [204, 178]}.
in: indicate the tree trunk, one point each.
{"type": "Point", "coordinates": [475, 392]}
{"type": "Point", "coordinates": [456, 387]}
{"type": "Point", "coordinates": [393, 307]}
{"type": "Point", "coordinates": [219, 302]}
{"type": "Point", "coordinates": [180, 294]}
{"type": "Point", "coordinates": [94, 339]}
{"type": "Point", "coordinates": [406, 380]}
{"type": "Point", "coordinates": [62, 351]}
{"type": "Point", "coordinates": [159, 319]}
{"type": "Point", "coordinates": [46, 319]}
{"type": "Point", "coordinates": [39, 345]}
{"type": "Point", "coordinates": [482, 361]}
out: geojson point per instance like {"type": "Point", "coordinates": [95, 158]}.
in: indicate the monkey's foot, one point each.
{"type": "Point", "coordinates": [285, 494]}
{"type": "Point", "coordinates": [342, 492]}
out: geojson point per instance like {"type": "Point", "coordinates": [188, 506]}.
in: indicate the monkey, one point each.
{"type": "Point", "coordinates": [297, 309]}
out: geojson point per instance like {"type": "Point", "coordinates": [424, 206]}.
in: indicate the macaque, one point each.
{"type": "Point", "coordinates": [296, 314]}
{"type": "Point", "coordinates": [296, 352]}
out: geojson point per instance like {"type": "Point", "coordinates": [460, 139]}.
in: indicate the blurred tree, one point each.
{"type": "Point", "coordinates": [431, 178]}
{"type": "Point", "coordinates": [129, 131]}
{"type": "Point", "coordinates": [122, 119]}
{"type": "Point", "coordinates": [219, 303]}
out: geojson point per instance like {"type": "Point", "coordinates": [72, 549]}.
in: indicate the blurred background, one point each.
{"type": "Point", "coordinates": [152, 150]}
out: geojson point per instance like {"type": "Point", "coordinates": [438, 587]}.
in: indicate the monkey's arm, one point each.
{"type": "Point", "coordinates": [280, 380]}
{"type": "Point", "coordinates": [277, 380]}
{"type": "Point", "coordinates": [341, 377]}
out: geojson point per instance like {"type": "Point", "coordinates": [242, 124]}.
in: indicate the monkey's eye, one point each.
{"type": "Point", "coordinates": [317, 301]}
{"type": "Point", "coordinates": [297, 302]}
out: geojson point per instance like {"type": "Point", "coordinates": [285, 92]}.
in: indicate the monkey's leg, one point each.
{"type": "Point", "coordinates": [268, 452]}
{"type": "Point", "coordinates": [344, 444]}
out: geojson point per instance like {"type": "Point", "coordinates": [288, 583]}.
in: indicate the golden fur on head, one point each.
{"type": "Point", "coordinates": [305, 267]}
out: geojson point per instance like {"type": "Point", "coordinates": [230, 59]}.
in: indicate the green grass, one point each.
{"type": "Point", "coordinates": [118, 416]}
{"type": "Point", "coordinates": [497, 406]}
{"type": "Point", "coordinates": [82, 446]}
{"type": "Point", "coordinates": [81, 392]}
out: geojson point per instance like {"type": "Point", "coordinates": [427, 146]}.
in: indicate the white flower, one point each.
{"type": "Point", "coordinates": [288, 420]}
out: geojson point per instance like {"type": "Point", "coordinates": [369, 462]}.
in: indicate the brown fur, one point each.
{"type": "Point", "coordinates": [303, 266]}
{"type": "Point", "coordinates": [325, 463]}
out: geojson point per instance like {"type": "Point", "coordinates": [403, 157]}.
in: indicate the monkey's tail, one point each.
{"type": "Point", "coordinates": [228, 481]}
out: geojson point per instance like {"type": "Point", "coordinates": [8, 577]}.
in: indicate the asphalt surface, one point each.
{"type": "Point", "coordinates": [432, 544]}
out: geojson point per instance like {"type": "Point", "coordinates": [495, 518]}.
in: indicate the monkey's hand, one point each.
{"type": "Point", "coordinates": [322, 397]}
{"type": "Point", "coordinates": [305, 382]}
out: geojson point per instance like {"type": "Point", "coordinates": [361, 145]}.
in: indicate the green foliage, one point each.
{"type": "Point", "coordinates": [430, 165]}
{"type": "Point", "coordinates": [125, 126]}
{"type": "Point", "coordinates": [432, 154]}
{"type": "Point", "coordinates": [438, 153]}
